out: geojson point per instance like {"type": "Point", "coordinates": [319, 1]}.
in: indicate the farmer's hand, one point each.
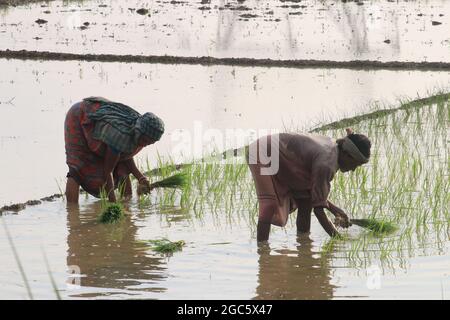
{"type": "Point", "coordinates": [341, 219]}
{"type": "Point", "coordinates": [144, 186]}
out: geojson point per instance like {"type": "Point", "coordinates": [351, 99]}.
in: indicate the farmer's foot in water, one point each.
{"type": "Point", "coordinates": [72, 191]}
{"type": "Point", "coordinates": [303, 222]}
{"type": "Point", "coordinates": [263, 231]}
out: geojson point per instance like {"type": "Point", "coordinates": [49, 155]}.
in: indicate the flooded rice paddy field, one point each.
{"type": "Point", "coordinates": [310, 29]}
{"type": "Point", "coordinates": [406, 181]}
{"type": "Point", "coordinates": [35, 96]}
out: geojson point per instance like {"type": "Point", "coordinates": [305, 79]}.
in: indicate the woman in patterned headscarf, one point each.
{"type": "Point", "coordinates": [306, 165]}
{"type": "Point", "coordinates": [101, 139]}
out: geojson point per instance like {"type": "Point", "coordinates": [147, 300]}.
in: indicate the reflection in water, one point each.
{"type": "Point", "coordinates": [227, 21]}
{"type": "Point", "coordinates": [359, 22]}
{"type": "Point", "coordinates": [322, 30]}
{"type": "Point", "coordinates": [109, 256]}
{"type": "Point", "coordinates": [293, 274]}
{"type": "Point", "coordinates": [357, 28]}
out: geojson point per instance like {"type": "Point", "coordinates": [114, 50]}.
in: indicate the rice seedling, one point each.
{"type": "Point", "coordinates": [219, 188]}
{"type": "Point", "coordinates": [60, 189]}
{"type": "Point", "coordinates": [112, 213]}
{"type": "Point", "coordinates": [121, 190]}
{"type": "Point", "coordinates": [164, 245]}
{"type": "Point", "coordinates": [144, 201]}
{"type": "Point", "coordinates": [405, 185]}
{"type": "Point", "coordinates": [330, 245]}
{"type": "Point", "coordinates": [377, 227]}
{"type": "Point", "coordinates": [178, 180]}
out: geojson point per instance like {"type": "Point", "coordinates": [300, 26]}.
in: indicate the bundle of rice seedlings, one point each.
{"type": "Point", "coordinates": [166, 246]}
{"type": "Point", "coordinates": [178, 180]}
{"type": "Point", "coordinates": [375, 226]}
{"type": "Point", "coordinates": [113, 212]}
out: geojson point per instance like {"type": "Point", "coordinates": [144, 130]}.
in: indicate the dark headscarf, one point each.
{"type": "Point", "coordinates": [120, 126]}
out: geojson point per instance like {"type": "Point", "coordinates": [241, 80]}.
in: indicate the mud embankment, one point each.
{"type": "Point", "coordinates": [14, 3]}
{"type": "Point", "coordinates": [21, 206]}
{"type": "Point", "coordinates": [243, 62]}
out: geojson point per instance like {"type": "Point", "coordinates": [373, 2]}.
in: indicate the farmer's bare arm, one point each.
{"type": "Point", "coordinates": [131, 165]}
{"type": "Point", "coordinates": [325, 222]}
{"type": "Point", "coordinates": [334, 208]}
{"type": "Point", "coordinates": [111, 160]}
{"type": "Point", "coordinates": [144, 184]}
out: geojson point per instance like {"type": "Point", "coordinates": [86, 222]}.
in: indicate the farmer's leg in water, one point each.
{"type": "Point", "coordinates": [72, 190]}
{"type": "Point", "coordinates": [325, 222]}
{"type": "Point", "coordinates": [267, 208]}
{"type": "Point", "coordinates": [128, 192]}
{"type": "Point", "coordinates": [303, 215]}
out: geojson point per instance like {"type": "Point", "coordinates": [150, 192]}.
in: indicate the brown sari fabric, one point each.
{"type": "Point", "coordinates": [85, 155]}
{"type": "Point", "coordinates": [307, 164]}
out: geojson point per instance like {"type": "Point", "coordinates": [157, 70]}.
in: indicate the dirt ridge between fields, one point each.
{"type": "Point", "coordinates": [244, 62]}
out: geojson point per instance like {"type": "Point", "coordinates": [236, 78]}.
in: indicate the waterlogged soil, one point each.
{"type": "Point", "coordinates": [412, 31]}
{"type": "Point", "coordinates": [214, 108]}
{"type": "Point", "coordinates": [242, 62]}
{"type": "Point", "coordinates": [220, 260]}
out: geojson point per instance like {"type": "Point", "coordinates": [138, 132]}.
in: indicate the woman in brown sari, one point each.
{"type": "Point", "coordinates": [306, 165]}
{"type": "Point", "coordinates": [101, 139]}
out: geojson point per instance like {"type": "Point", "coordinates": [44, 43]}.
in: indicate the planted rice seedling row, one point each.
{"type": "Point", "coordinates": [406, 183]}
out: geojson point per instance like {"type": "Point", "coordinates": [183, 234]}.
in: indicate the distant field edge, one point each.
{"type": "Point", "coordinates": [405, 105]}
{"type": "Point", "coordinates": [244, 62]}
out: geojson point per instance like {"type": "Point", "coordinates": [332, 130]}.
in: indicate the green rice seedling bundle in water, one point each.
{"type": "Point", "coordinates": [178, 180]}
{"type": "Point", "coordinates": [166, 246]}
{"type": "Point", "coordinates": [112, 213]}
{"type": "Point", "coordinates": [380, 227]}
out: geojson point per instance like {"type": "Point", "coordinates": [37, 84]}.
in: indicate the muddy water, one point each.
{"type": "Point", "coordinates": [35, 96]}
{"type": "Point", "coordinates": [220, 260]}
{"type": "Point", "coordinates": [331, 30]}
